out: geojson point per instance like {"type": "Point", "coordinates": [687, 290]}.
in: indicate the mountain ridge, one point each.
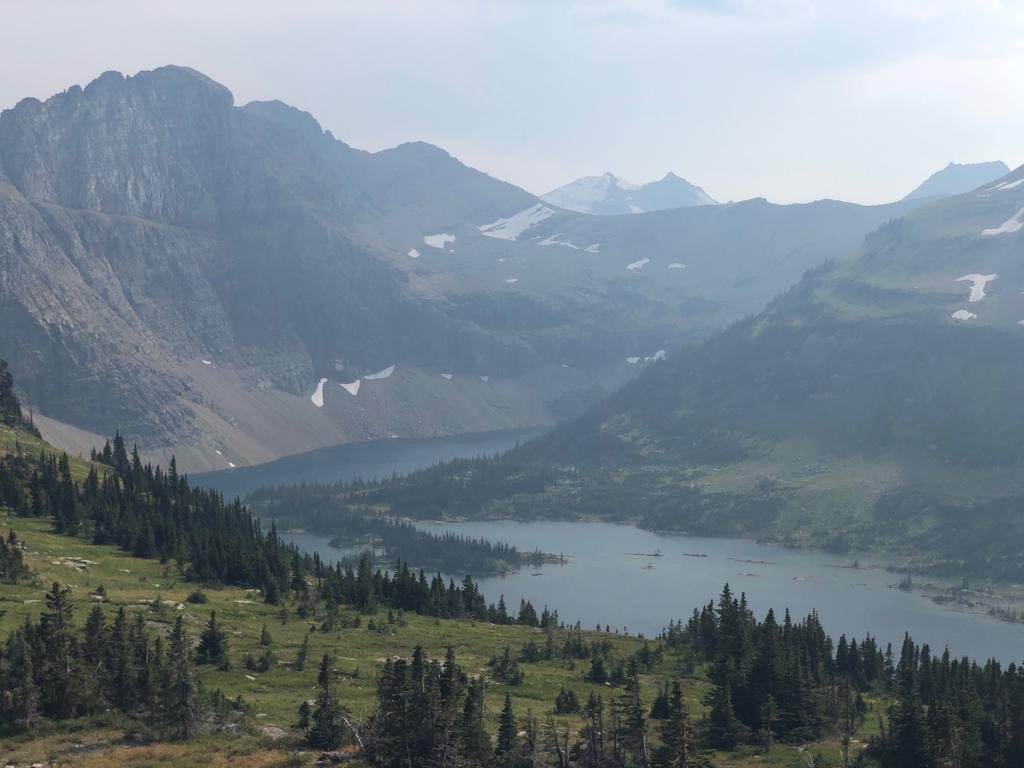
{"type": "Point", "coordinates": [610, 195]}
{"type": "Point", "coordinates": [188, 271]}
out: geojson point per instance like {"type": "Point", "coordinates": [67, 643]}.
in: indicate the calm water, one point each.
{"type": "Point", "coordinates": [369, 460]}
{"type": "Point", "coordinates": [603, 582]}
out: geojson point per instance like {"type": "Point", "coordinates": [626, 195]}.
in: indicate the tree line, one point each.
{"type": "Point", "coordinates": [325, 509]}
{"type": "Point", "coordinates": [51, 669]}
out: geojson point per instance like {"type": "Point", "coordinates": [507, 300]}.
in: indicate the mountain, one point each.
{"type": "Point", "coordinates": [233, 284]}
{"type": "Point", "coordinates": [609, 195]}
{"type": "Point", "coordinates": [875, 404]}
{"type": "Point", "coordinates": [955, 179]}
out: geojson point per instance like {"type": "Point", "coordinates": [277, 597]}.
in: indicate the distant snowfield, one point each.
{"type": "Point", "coordinates": [677, 265]}
{"type": "Point", "coordinates": [318, 396]}
{"type": "Point", "coordinates": [207, 362]}
{"type": "Point", "coordinates": [661, 354]}
{"type": "Point", "coordinates": [963, 314]}
{"type": "Point", "coordinates": [635, 209]}
{"type": "Point", "coordinates": [383, 374]}
{"type": "Point", "coordinates": [352, 387]}
{"type": "Point", "coordinates": [485, 379]}
{"type": "Point", "coordinates": [553, 240]}
{"type": "Point", "coordinates": [636, 266]}
{"type": "Point", "coordinates": [595, 248]}
{"type": "Point", "coordinates": [413, 253]}
{"type": "Point", "coordinates": [512, 227]}
{"type": "Point", "coordinates": [1008, 227]}
{"type": "Point", "coordinates": [231, 465]}
{"type": "Point", "coordinates": [512, 280]}
{"type": "Point", "coordinates": [978, 283]}
{"type": "Point", "coordinates": [446, 376]}
{"type": "Point", "coordinates": [439, 241]}
{"type": "Point", "coordinates": [1007, 185]}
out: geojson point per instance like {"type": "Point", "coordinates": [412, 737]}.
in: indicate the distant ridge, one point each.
{"type": "Point", "coordinates": [956, 178]}
{"type": "Point", "coordinates": [611, 195]}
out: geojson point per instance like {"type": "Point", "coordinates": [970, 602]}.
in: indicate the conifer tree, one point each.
{"type": "Point", "coordinates": [325, 732]}
{"type": "Point", "coordinates": [213, 644]}
{"type": "Point", "coordinates": [180, 694]}
{"type": "Point", "coordinates": [677, 743]}
{"type": "Point", "coordinates": [507, 749]}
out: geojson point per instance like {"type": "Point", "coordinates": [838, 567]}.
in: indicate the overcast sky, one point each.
{"type": "Point", "coordinates": [792, 100]}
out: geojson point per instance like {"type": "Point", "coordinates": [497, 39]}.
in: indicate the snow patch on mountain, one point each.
{"type": "Point", "coordinates": [677, 265]}
{"type": "Point", "coordinates": [1005, 185]}
{"type": "Point", "coordinates": [352, 387]}
{"type": "Point", "coordinates": [439, 241]}
{"type": "Point", "coordinates": [978, 283]}
{"type": "Point", "coordinates": [1008, 227]}
{"type": "Point", "coordinates": [595, 248]}
{"type": "Point", "coordinates": [553, 240]}
{"type": "Point", "coordinates": [513, 226]}
{"type": "Point", "coordinates": [661, 354]}
{"type": "Point", "coordinates": [318, 396]}
{"type": "Point", "coordinates": [963, 314]}
{"type": "Point", "coordinates": [382, 374]}
{"type": "Point", "coordinates": [636, 266]}
{"type": "Point", "coordinates": [413, 253]}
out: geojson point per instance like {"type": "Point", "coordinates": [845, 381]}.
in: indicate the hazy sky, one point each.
{"type": "Point", "coordinates": [793, 100]}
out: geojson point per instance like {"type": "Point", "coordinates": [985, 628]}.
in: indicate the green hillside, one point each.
{"type": "Point", "coordinates": [260, 726]}
{"type": "Point", "coordinates": [147, 622]}
{"type": "Point", "coordinates": [873, 406]}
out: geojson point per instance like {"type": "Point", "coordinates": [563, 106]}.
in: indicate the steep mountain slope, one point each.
{"type": "Point", "coordinates": [955, 179]}
{"type": "Point", "coordinates": [233, 284]}
{"type": "Point", "coordinates": [877, 402]}
{"type": "Point", "coordinates": [609, 195]}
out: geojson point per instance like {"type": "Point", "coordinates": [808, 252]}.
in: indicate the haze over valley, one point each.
{"type": "Point", "coordinates": [593, 384]}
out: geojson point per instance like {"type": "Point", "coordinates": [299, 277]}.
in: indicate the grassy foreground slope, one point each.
{"type": "Point", "coordinates": [266, 737]}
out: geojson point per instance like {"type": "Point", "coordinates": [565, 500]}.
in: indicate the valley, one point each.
{"type": "Point", "coordinates": [356, 411]}
{"type": "Point", "coordinates": [633, 579]}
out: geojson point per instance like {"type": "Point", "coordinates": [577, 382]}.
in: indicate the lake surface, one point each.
{"type": "Point", "coordinates": [368, 460]}
{"type": "Point", "coordinates": [603, 583]}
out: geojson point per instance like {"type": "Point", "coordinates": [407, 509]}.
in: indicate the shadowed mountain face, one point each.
{"type": "Point", "coordinates": [955, 179]}
{"type": "Point", "coordinates": [609, 195]}
{"type": "Point", "coordinates": [876, 403]}
{"type": "Point", "coordinates": [234, 284]}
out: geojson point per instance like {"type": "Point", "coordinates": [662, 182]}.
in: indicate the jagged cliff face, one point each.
{"type": "Point", "coordinates": [187, 271]}
{"type": "Point", "coordinates": [146, 225]}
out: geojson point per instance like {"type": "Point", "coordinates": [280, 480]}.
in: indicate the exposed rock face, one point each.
{"type": "Point", "coordinates": [146, 222]}
{"type": "Point", "coordinates": [186, 271]}
{"type": "Point", "coordinates": [10, 408]}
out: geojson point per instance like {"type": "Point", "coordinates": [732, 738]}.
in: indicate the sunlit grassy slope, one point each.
{"type": "Point", "coordinates": [274, 696]}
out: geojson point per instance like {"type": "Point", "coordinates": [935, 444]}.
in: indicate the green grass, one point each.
{"type": "Point", "coordinates": [274, 696]}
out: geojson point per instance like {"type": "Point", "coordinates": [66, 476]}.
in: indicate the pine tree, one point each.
{"type": "Point", "coordinates": [180, 694]}
{"type": "Point", "coordinates": [60, 663]}
{"type": "Point", "coordinates": [475, 744]}
{"type": "Point", "coordinates": [325, 733]}
{"type": "Point", "coordinates": [677, 743]}
{"type": "Point", "coordinates": [213, 644]}
{"type": "Point", "coordinates": [25, 694]}
{"type": "Point", "coordinates": [265, 638]}
{"type": "Point", "coordinates": [723, 729]}
{"type": "Point", "coordinates": [507, 749]}
{"type": "Point", "coordinates": [633, 727]}
{"type": "Point", "coordinates": [302, 654]}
